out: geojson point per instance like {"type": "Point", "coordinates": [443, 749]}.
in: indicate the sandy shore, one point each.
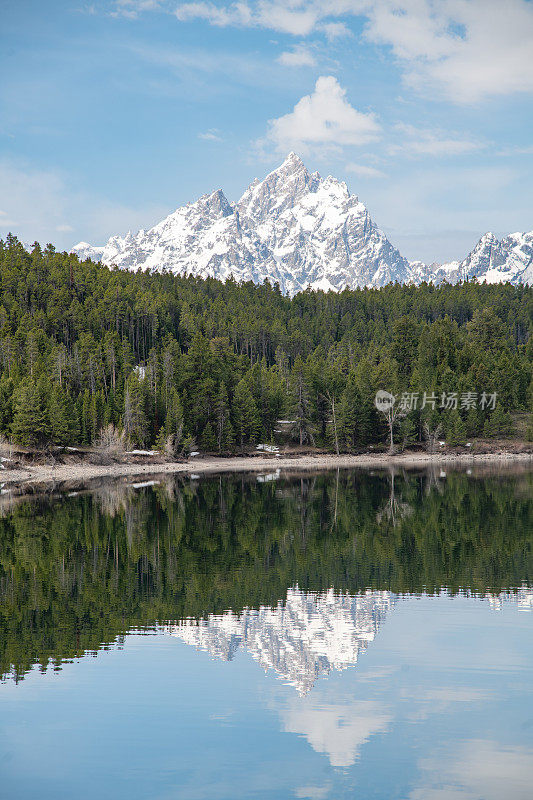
{"type": "Point", "coordinates": [81, 472]}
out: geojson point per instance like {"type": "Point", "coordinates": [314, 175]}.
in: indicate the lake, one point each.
{"type": "Point", "coordinates": [347, 634]}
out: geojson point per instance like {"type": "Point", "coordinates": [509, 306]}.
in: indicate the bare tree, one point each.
{"type": "Point", "coordinates": [431, 434]}
{"type": "Point", "coordinates": [332, 405]}
{"type": "Point", "coordinates": [109, 446]}
{"type": "Point", "coordinates": [392, 412]}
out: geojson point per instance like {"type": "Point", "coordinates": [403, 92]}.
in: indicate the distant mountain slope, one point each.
{"type": "Point", "coordinates": [492, 260]}
{"type": "Point", "coordinates": [299, 230]}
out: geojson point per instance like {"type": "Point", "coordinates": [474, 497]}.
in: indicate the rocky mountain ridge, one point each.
{"type": "Point", "coordinates": [302, 231]}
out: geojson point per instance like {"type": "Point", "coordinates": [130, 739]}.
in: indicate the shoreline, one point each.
{"type": "Point", "coordinates": [84, 472]}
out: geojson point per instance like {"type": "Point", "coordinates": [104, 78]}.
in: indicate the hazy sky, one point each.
{"type": "Point", "coordinates": [113, 113]}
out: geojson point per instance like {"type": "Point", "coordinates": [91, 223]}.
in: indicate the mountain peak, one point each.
{"type": "Point", "coordinates": [293, 158]}
{"type": "Point", "coordinates": [292, 166]}
{"type": "Point", "coordinates": [302, 231]}
{"type": "Point", "coordinates": [215, 202]}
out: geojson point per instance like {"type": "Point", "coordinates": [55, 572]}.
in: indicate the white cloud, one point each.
{"type": "Point", "coordinates": [299, 56]}
{"type": "Point", "coordinates": [212, 135]}
{"type": "Point", "coordinates": [429, 142]}
{"type": "Point", "coordinates": [234, 14]}
{"type": "Point", "coordinates": [516, 151]}
{"type": "Point", "coordinates": [364, 171]}
{"type": "Point", "coordinates": [324, 117]}
{"type": "Point", "coordinates": [297, 18]}
{"type": "Point", "coordinates": [466, 49]}
{"type": "Point", "coordinates": [131, 8]}
{"type": "Point", "coordinates": [335, 30]}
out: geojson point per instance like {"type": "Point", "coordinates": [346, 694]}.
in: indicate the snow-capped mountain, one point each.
{"type": "Point", "coordinates": [85, 250]}
{"type": "Point", "coordinates": [299, 230]}
{"type": "Point", "coordinates": [302, 639]}
{"type": "Point", "coordinates": [492, 260]}
{"type": "Point", "coordinates": [294, 227]}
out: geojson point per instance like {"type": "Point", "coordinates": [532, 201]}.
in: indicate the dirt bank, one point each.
{"type": "Point", "coordinates": [83, 471]}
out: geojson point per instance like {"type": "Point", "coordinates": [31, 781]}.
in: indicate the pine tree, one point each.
{"type": "Point", "coordinates": [474, 425]}
{"type": "Point", "coordinates": [135, 421]}
{"type": "Point", "coordinates": [31, 424]}
{"type": "Point", "coordinates": [174, 415]}
{"type": "Point", "coordinates": [498, 424]}
{"type": "Point", "coordinates": [300, 412]}
{"type": "Point", "coordinates": [245, 420]}
{"type": "Point", "coordinates": [456, 429]}
{"type": "Point", "coordinates": [86, 420]}
{"type": "Point", "coordinates": [529, 429]}
{"type": "Point", "coordinates": [6, 403]}
{"type": "Point", "coordinates": [350, 413]}
{"type": "Point", "coordinates": [63, 419]}
{"type": "Point", "coordinates": [224, 430]}
{"type": "Point", "coordinates": [208, 439]}
{"type": "Point", "coordinates": [408, 431]}
{"type": "Point", "coordinates": [170, 437]}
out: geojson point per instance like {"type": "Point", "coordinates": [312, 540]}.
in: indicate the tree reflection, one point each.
{"type": "Point", "coordinates": [78, 571]}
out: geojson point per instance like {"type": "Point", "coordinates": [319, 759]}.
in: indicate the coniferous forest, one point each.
{"type": "Point", "coordinates": [222, 366]}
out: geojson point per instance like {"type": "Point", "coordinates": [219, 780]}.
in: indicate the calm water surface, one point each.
{"type": "Point", "coordinates": [344, 635]}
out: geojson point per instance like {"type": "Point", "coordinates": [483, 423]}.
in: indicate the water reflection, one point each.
{"type": "Point", "coordinates": [477, 768]}
{"type": "Point", "coordinates": [309, 634]}
{"type": "Point", "coordinates": [322, 636]}
{"type": "Point", "coordinates": [338, 728]}
{"type": "Point", "coordinates": [303, 638]}
{"type": "Point", "coordinates": [77, 572]}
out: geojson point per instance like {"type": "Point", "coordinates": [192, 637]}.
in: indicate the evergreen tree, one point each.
{"type": "Point", "coordinates": [86, 418]}
{"type": "Point", "coordinates": [135, 420]}
{"type": "Point", "coordinates": [300, 412]}
{"type": "Point", "coordinates": [456, 429]}
{"type": "Point", "coordinates": [498, 424]}
{"type": "Point", "coordinates": [245, 420]}
{"type": "Point", "coordinates": [62, 415]}
{"type": "Point", "coordinates": [224, 430]}
{"type": "Point", "coordinates": [350, 416]}
{"type": "Point", "coordinates": [31, 424]}
{"type": "Point", "coordinates": [208, 439]}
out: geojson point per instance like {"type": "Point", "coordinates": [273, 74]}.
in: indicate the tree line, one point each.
{"type": "Point", "coordinates": [184, 363]}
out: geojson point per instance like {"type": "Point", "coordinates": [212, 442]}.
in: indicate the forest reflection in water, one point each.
{"type": "Point", "coordinates": [307, 564]}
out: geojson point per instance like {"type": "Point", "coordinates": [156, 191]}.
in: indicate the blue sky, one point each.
{"type": "Point", "coordinates": [112, 114]}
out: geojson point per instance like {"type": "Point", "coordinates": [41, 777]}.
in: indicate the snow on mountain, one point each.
{"type": "Point", "coordinates": [492, 260]}
{"type": "Point", "coordinates": [85, 250]}
{"type": "Point", "coordinates": [299, 230]}
{"type": "Point", "coordinates": [293, 227]}
{"type": "Point", "coordinates": [302, 639]}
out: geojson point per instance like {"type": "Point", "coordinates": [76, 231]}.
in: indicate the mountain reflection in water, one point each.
{"type": "Point", "coordinates": [302, 638]}
{"type": "Point", "coordinates": [319, 636]}
{"type": "Point", "coordinates": [309, 634]}
{"type": "Point", "coordinates": [197, 557]}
